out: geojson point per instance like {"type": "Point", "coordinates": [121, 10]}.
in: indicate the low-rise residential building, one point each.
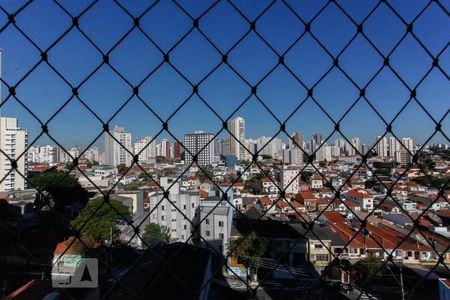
{"type": "Point", "coordinates": [364, 200]}
{"type": "Point", "coordinates": [290, 180]}
{"type": "Point", "coordinates": [180, 216]}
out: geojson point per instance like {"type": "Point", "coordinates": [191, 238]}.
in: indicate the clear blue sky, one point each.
{"type": "Point", "coordinates": [43, 92]}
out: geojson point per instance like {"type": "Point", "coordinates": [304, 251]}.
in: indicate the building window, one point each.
{"type": "Point", "coordinates": [162, 218]}
{"type": "Point", "coordinates": [207, 221]}
{"type": "Point", "coordinates": [220, 223]}
{"type": "Point", "coordinates": [184, 226]}
{"type": "Point", "coordinates": [318, 246]}
{"type": "Point", "coordinates": [162, 207]}
{"type": "Point", "coordinates": [322, 257]}
{"type": "Point", "coordinates": [207, 232]}
{"type": "Point", "coordinates": [221, 236]}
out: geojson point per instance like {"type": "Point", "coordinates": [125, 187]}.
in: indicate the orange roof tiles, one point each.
{"type": "Point", "coordinates": [265, 201]}
{"type": "Point", "coordinates": [307, 195]}
{"type": "Point", "coordinates": [334, 217]}
{"type": "Point", "coordinates": [356, 194]}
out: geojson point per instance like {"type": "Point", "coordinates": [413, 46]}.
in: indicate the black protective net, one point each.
{"type": "Point", "coordinates": [363, 234]}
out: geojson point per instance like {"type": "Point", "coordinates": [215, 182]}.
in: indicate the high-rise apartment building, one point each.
{"type": "Point", "coordinates": [268, 146]}
{"type": "Point", "coordinates": [177, 150]}
{"type": "Point", "coordinates": [316, 141]}
{"type": "Point", "coordinates": [43, 155]}
{"type": "Point", "coordinates": [165, 149]}
{"type": "Point", "coordinates": [355, 147]}
{"type": "Point", "coordinates": [199, 143]}
{"type": "Point", "coordinates": [298, 139]}
{"type": "Point", "coordinates": [226, 147]}
{"type": "Point", "coordinates": [382, 146]}
{"type": "Point", "coordinates": [237, 137]}
{"type": "Point", "coordinates": [408, 144]}
{"type": "Point", "coordinates": [92, 154]}
{"type": "Point", "coordinates": [294, 145]}
{"type": "Point", "coordinates": [290, 180]}
{"type": "Point", "coordinates": [324, 153]}
{"type": "Point", "coordinates": [218, 147]}
{"type": "Point", "coordinates": [146, 148]}
{"type": "Point", "coordinates": [394, 146]}
{"type": "Point", "coordinates": [116, 148]}
{"type": "Point", "coordinates": [13, 142]}
{"type": "Point", "coordinates": [67, 155]}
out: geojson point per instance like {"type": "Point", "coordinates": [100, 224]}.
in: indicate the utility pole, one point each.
{"type": "Point", "coordinates": [401, 283]}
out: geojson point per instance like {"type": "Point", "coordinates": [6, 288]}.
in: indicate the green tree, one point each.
{"type": "Point", "coordinates": [369, 267]}
{"type": "Point", "coordinates": [156, 232]}
{"type": "Point", "coordinates": [134, 186]}
{"type": "Point", "coordinates": [305, 176]}
{"type": "Point", "coordinates": [62, 188]}
{"type": "Point", "coordinates": [98, 219]}
{"type": "Point", "coordinates": [265, 156]}
{"type": "Point", "coordinates": [254, 185]}
{"type": "Point", "coordinates": [205, 174]}
{"type": "Point", "coordinates": [121, 168]}
{"type": "Point", "coordinates": [160, 159]}
{"type": "Point", "coordinates": [253, 247]}
{"type": "Point", "coordinates": [371, 154]}
{"type": "Point", "coordinates": [322, 164]}
{"type": "Point", "coordinates": [143, 176]}
{"type": "Point", "coordinates": [370, 183]}
{"type": "Point", "coordinates": [383, 172]}
{"type": "Point", "coordinates": [245, 162]}
{"type": "Point", "coordinates": [433, 181]}
{"type": "Point", "coordinates": [92, 163]}
{"type": "Point", "coordinates": [169, 172]}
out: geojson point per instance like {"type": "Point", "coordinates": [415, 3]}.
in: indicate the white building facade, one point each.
{"type": "Point", "coordinates": [201, 144]}
{"type": "Point", "coordinates": [116, 152]}
{"type": "Point", "coordinates": [237, 137]}
{"type": "Point", "coordinates": [146, 148]}
{"type": "Point", "coordinates": [13, 142]}
{"type": "Point", "coordinates": [290, 180]}
{"type": "Point", "coordinates": [166, 215]}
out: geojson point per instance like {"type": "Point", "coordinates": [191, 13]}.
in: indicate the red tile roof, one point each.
{"type": "Point", "coordinates": [74, 246]}
{"type": "Point", "coordinates": [334, 217]}
{"type": "Point", "coordinates": [307, 195]}
{"type": "Point", "coordinates": [282, 204]}
{"type": "Point", "coordinates": [265, 201]}
{"type": "Point", "coordinates": [203, 194]}
{"type": "Point", "coordinates": [356, 194]}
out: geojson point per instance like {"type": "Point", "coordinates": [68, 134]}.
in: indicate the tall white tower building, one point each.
{"type": "Point", "coordinates": [115, 153]}
{"type": "Point", "coordinates": [356, 146]}
{"type": "Point", "coordinates": [394, 146]}
{"type": "Point", "coordinates": [382, 146]}
{"type": "Point", "coordinates": [13, 142]}
{"type": "Point", "coordinates": [146, 148]}
{"type": "Point", "coordinates": [408, 143]}
{"type": "Point", "coordinates": [197, 143]}
{"type": "Point", "coordinates": [237, 128]}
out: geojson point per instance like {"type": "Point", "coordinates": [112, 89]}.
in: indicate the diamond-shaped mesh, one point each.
{"type": "Point", "coordinates": [184, 41]}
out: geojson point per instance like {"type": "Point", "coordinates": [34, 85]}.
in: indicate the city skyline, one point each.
{"type": "Point", "coordinates": [105, 92]}
{"type": "Point", "coordinates": [280, 149]}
